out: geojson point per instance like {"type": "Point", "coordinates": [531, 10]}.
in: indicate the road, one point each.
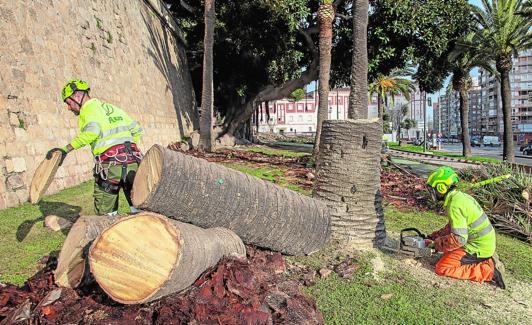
{"type": "Point", "coordinates": [492, 152]}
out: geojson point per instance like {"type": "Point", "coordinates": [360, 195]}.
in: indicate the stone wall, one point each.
{"type": "Point", "coordinates": [129, 51]}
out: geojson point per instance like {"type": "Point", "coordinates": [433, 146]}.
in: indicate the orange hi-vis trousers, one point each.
{"type": "Point", "coordinates": [460, 265]}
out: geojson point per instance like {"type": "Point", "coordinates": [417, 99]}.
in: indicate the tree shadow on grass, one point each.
{"type": "Point", "coordinates": [60, 209]}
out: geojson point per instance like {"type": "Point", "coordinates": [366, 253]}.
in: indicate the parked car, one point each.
{"type": "Point", "coordinates": [527, 150]}
{"type": "Point", "coordinates": [490, 140]}
{"type": "Point", "coordinates": [475, 142]}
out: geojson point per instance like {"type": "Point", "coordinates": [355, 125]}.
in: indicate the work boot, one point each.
{"type": "Point", "coordinates": [498, 272]}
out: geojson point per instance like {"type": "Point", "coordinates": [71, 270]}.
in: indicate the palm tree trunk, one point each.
{"type": "Point", "coordinates": [464, 122]}
{"type": "Point", "coordinates": [506, 95]}
{"type": "Point", "coordinates": [207, 92]}
{"type": "Point", "coordinates": [358, 98]}
{"type": "Point", "coordinates": [380, 106]}
{"type": "Point", "coordinates": [325, 17]}
{"type": "Point", "coordinates": [348, 180]}
{"type": "Point", "coordinates": [210, 195]}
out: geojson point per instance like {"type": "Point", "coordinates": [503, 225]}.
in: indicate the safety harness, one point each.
{"type": "Point", "coordinates": [122, 154]}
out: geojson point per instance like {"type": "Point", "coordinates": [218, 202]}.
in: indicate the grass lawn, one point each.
{"type": "Point", "coordinates": [385, 289]}
{"type": "Point", "coordinates": [412, 148]}
{"type": "Point", "coordinates": [275, 152]}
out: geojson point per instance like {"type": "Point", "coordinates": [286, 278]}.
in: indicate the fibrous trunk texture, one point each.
{"type": "Point", "coordinates": [358, 98]}
{"type": "Point", "coordinates": [464, 123]}
{"type": "Point", "coordinates": [209, 195]}
{"type": "Point", "coordinates": [44, 174]}
{"type": "Point", "coordinates": [506, 94]}
{"type": "Point", "coordinates": [325, 17]}
{"type": "Point", "coordinates": [71, 262]}
{"type": "Point", "coordinates": [147, 256]}
{"type": "Point", "coordinates": [207, 94]}
{"type": "Point", "coordinates": [348, 179]}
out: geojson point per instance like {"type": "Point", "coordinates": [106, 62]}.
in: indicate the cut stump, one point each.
{"type": "Point", "coordinates": [210, 195]}
{"type": "Point", "coordinates": [44, 174]}
{"type": "Point", "coordinates": [144, 257]}
{"type": "Point", "coordinates": [71, 262]}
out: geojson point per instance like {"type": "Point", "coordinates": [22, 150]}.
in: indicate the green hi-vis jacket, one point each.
{"type": "Point", "coordinates": [470, 223]}
{"type": "Point", "coordinates": [103, 125]}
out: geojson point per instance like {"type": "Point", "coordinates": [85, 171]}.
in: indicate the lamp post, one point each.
{"type": "Point", "coordinates": [439, 121]}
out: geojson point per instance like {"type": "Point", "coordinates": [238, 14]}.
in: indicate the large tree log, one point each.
{"type": "Point", "coordinates": [348, 179]}
{"type": "Point", "coordinates": [209, 195]}
{"type": "Point", "coordinates": [71, 262]}
{"type": "Point", "coordinates": [144, 257]}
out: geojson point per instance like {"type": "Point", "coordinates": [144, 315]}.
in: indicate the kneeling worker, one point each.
{"type": "Point", "coordinates": [468, 240]}
{"type": "Point", "coordinates": [113, 137]}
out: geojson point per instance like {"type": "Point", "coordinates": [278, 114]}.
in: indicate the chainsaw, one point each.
{"type": "Point", "coordinates": [410, 244]}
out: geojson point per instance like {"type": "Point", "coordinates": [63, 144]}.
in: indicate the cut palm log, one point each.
{"type": "Point", "coordinates": [147, 256]}
{"type": "Point", "coordinates": [210, 195]}
{"type": "Point", "coordinates": [44, 174]}
{"type": "Point", "coordinates": [71, 263]}
{"type": "Point", "coordinates": [348, 179]}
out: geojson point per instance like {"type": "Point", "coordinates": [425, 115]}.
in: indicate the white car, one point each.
{"type": "Point", "coordinates": [489, 140]}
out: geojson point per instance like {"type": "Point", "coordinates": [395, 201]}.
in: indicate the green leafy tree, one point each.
{"type": "Point", "coordinates": [405, 32]}
{"type": "Point", "coordinates": [505, 29]}
{"type": "Point", "coordinates": [408, 124]}
{"type": "Point", "coordinates": [297, 94]}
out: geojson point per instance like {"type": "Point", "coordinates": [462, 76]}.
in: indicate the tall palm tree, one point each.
{"type": "Point", "coordinates": [468, 54]}
{"type": "Point", "coordinates": [505, 30]}
{"type": "Point", "coordinates": [386, 87]}
{"type": "Point", "coordinates": [325, 18]}
{"type": "Point", "coordinates": [358, 98]}
{"type": "Point", "coordinates": [207, 95]}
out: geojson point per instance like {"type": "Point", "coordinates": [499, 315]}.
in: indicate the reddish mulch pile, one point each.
{"type": "Point", "coordinates": [401, 190]}
{"type": "Point", "coordinates": [404, 190]}
{"type": "Point", "coordinates": [236, 291]}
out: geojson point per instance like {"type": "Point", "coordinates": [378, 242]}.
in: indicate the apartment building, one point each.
{"type": "Point", "coordinates": [491, 104]}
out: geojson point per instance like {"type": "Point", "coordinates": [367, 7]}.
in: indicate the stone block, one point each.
{"type": "Point", "coordinates": [3, 202]}
{"type": "Point", "coordinates": [13, 120]}
{"type": "Point", "coordinates": [19, 164]}
{"type": "Point", "coordinates": [10, 166]}
{"type": "Point", "coordinates": [15, 182]}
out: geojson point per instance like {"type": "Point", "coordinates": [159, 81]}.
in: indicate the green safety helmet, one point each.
{"type": "Point", "coordinates": [73, 85]}
{"type": "Point", "coordinates": [442, 180]}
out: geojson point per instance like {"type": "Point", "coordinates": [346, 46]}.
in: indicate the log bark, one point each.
{"type": "Point", "coordinates": [348, 179]}
{"type": "Point", "coordinates": [43, 176]}
{"type": "Point", "coordinates": [209, 195]}
{"type": "Point", "coordinates": [147, 256]}
{"type": "Point", "coordinates": [71, 264]}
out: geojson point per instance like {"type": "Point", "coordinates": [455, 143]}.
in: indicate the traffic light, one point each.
{"type": "Point", "coordinates": [429, 101]}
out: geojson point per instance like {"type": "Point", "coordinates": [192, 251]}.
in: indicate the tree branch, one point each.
{"type": "Point", "coordinates": [344, 17]}
{"type": "Point", "coordinates": [187, 7]}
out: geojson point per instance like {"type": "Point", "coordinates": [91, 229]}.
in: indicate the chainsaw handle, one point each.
{"type": "Point", "coordinates": [414, 230]}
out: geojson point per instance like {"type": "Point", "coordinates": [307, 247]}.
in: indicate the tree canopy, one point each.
{"type": "Point", "coordinates": [266, 49]}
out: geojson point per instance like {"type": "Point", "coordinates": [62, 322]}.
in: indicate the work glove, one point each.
{"type": "Point", "coordinates": [51, 151]}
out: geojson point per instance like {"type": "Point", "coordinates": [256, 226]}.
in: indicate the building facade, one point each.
{"type": "Point", "coordinates": [300, 117]}
{"type": "Point", "coordinates": [491, 101]}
